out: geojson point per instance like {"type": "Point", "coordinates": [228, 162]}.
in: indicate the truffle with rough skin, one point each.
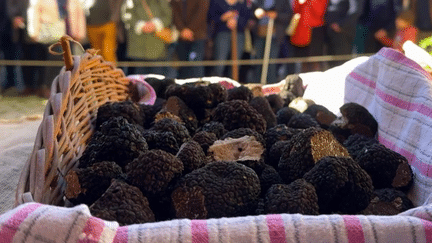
{"type": "Point", "coordinates": [126, 109]}
{"type": "Point", "coordinates": [388, 201]}
{"type": "Point", "coordinates": [268, 176]}
{"type": "Point", "coordinates": [284, 115]}
{"type": "Point", "coordinates": [237, 114]}
{"type": "Point", "coordinates": [117, 140]}
{"type": "Point", "coordinates": [180, 132]}
{"type": "Point", "coordinates": [321, 114]}
{"type": "Point", "coordinates": [262, 105]}
{"type": "Point", "coordinates": [153, 171]}
{"type": "Point", "coordinates": [205, 139]}
{"type": "Point", "coordinates": [240, 93]}
{"type": "Point", "coordinates": [305, 149]}
{"type": "Point", "coordinates": [356, 143]}
{"type": "Point", "coordinates": [302, 121]}
{"type": "Point", "coordinates": [279, 133]}
{"type": "Point", "coordinates": [229, 189]}
{"type": "Point", "coordinates": [161, 140]}
{"type": "Point", "coordinates": [148, 112]}
{"type": "Point", "coordinates": [86, 185]}
{"type": "Point", "coordinates": [341, 184]}
{"type": "Point", "coordinates": [160, 85]}
{"type": "Point", "coordinates": [215, 127]}
{"type": "Point", "coordinates": [387, 168]}
{"type": "Point", "coordinates": [276, 102]}
{"type": "Point", "coordinates": [178, 107]}
{"type": "Point", "coordinates": [196, 97]}
{"type": "Point", "coordinates": [355, 119]}
{"type": "Point", "coordinates": [297, 197]}
{"type": "Point", "coordinates": [275, 152]}
{"type": "Point", "coordinates": [219, 94]}
{"type": "Point", "coordinates": [123, 203]}
{"type": "Point", "coordinates": [192, 156]}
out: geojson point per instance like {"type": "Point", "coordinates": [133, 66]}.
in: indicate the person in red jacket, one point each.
{"type": "Point", "coordinates": [405, 30]}
{"type": "Point", "coordinates": [308, 35]}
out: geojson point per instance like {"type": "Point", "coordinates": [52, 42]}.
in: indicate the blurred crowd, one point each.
{"type": "Point", "coordinates": [126, 30]}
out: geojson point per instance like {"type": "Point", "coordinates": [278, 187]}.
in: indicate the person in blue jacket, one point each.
{"type": "Point", "coordinates": [226, 15]}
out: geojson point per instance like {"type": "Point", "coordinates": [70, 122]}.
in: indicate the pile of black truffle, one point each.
{"type": "Point", "coordinates": [202, 151]}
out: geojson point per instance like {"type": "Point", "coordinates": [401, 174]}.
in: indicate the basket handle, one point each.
{"type": "Point", "coordinates": [67, 53]}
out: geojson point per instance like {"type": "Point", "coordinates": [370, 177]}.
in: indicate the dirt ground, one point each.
{"type": "Point", "coordinates": [14, 108]}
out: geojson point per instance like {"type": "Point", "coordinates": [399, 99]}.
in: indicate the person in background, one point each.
{"type": "Point", "coordinates": [308, 36]}
{"type": "Point", "coordinates": [141, 41]}
{"type": "Point", "coordinates": [341, 20]}
{"type": "Point", "coordinates": [280, 11]}
{"type": "Point", "coordinates": [9, 50]}
{"type": "Point", "coordinates": [405, 30]}
{"type": "Point", "coordinates": [228, 15]}
{"type": "Point", "coordinates": [378, 15]}
{"type": "Point", "coordinates": [102, 22]}
{"type": "Point", "coordinates": [190, 19]}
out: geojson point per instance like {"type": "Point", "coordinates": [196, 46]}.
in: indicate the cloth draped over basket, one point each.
{"type": "Point", "coordinates": [392, 87]}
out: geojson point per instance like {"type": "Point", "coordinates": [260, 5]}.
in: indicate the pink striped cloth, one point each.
{"type": "Point", "coordinates": [393, 88]}
{"type": "Point", "coordinates": [34, 222]}
{"type": "Point", "coordinates": [398, 93]}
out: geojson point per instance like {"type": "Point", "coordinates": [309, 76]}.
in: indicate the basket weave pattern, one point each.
{"type": "Point", "coordinates": [67, 125]}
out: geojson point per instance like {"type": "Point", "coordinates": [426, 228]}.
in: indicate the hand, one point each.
{"type": "Point", "coordinates": [232, 23]}
{"type": "Point", "coordinates": [149, 27]}
{"type": "Point", "coordinates": [228, 15]}
{"type": "Point", "coordinates": [187, 34]}
{"type": "Point", "coordinates": [380, 34]}
{"type": "Point", "coordinates": [271, 14]}
{"type": "Point", "coordinates": [18, 23]}
{"type": "Point", "coordinates": [336, 27]}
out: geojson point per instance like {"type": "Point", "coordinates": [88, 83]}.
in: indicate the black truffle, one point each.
{"type": "Point", "coordinates": [321, 114]}
{"type": "Point", "coordinates": [283, 116]}
{"type": "Point", "coordinates": [123, 203]}
{"type": "Point", "coordinates": [229, 189]}
{"type": "Point", "coordinates": [297, 197]}
{"type": "Point", "coordinates": [305, 149]}
{"type": "Point", "coordinates": [388, 201]}
{"type": "Point", "coordinates": [166, 124]}
{"type": "Point", "coordinates": [126, 109]}
{"type": "Point", "coordinates": [153, 171]}
{"type": "Point", "coordinates": [240, 93]}
{"type": "Point", "coordinates": [262, 105]}
{"type": "Point", "coordinates": [237, 114]}
{"type": "Point", "coordinates": [302, 121]}
{"type": "Point", "coordinates": [205, 139]}
{"type": "Point", "coordinates": [192, 156]}
{"type": "Point", "coordinates": [341, 184]}
{"type": "Point", "coordinates": [161, 140]}
{"type": "Point", "coordinates": [387, 168]}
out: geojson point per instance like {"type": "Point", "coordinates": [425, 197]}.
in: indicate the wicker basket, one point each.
{"type": "Point", "coordinates": [83, 85]}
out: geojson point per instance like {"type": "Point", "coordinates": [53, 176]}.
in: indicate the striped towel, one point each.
{"type": "Point", "coordinates": [392, 87]}
{"type": "Point", "coordinates": [34, 222]}
{"type": "Point", "coordinates": [398, 93]}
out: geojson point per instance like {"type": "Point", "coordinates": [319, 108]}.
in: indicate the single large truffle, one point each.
{"type": "Point", "coordinates": [387, 168]}
{"type": "Point", "coordinates": [276, 102]}
{"type": "Point", "coordinates": [153, 171]}
{"type": "Point", "coordinates": [178, 107]}
{"type": "Point", "coordinates": [219, 189]}
{"type": "Point", "coordinates": [215, 127]}
{"type": "Point", "coordinates": [341, 184]}
{"type": "Point", "coordinates": [262, 105]}
{"type": "Point", "coordinates": [163, 140]}
{"type": "Point", "coordinates": [297, 197]}
{"type": "Point", "coordinates": [192, 156]}
{"type": "Point", "coordinates": [240, 93]}
{"type": "Point", "coordinates": [123, 203]}
{"type": "Point", "coordinates": [86, 185]}
{"type": "Point", "coordinates": [356, 143]}
{"type": "Point", "coordinates": [388, 201]}
{"type": "Point", "coordinates": [321, 114]}
{"type": "Point", "coordinates": [117, 141]}
{"type": "Point", "coordinates": [205, 139]}
{"type": "Point", "coordinates": [355, 119]}
{"type": "Point", "coordinates": [305, 149]}
{"type": "Point", "coordinates": [238, 113]}
{"type": "Point", "coordinates": [283, 116]}
{"type": "Point", "coordinates": [180, 132]}
{"type": "Point", "coordinates": [126, 109]}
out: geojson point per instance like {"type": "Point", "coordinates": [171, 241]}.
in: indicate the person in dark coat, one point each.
{"type": "Point", "coordinates": [341, 20]}
{"type": "Point", "coordinates": [190, 19]}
